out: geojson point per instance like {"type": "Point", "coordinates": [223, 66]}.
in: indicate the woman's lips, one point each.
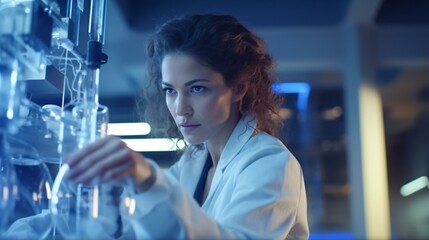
{"type": "Point", "coordinates": [189, 127]}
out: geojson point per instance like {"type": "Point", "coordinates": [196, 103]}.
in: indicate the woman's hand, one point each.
{"type": "Point", "coordinates": [107, 159]}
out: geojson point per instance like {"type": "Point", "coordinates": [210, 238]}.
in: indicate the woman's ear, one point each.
{"type": "Point", "coordinates": [239, 91]}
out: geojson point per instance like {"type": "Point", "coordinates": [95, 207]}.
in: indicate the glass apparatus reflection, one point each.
{"type": "Point", "coordinates": [25, 181]}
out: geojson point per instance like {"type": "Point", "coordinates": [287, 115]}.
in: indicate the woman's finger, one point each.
{"type": "Point", "coordinates": [74, 158]}
{"type": "Point", "coordinates": [84, 163]}
{"type": "Point", "coordinates": [115, 160]}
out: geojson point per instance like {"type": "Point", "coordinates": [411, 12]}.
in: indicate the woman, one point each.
{"type": "Point", "coordinates": [235, 179]}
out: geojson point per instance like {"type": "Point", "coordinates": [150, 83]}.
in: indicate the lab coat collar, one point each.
{"type": "Point", "coordinates": [239, 136]}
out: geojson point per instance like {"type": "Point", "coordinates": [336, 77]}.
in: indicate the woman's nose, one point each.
{"type": "Point", "coordinates": [183, 107]}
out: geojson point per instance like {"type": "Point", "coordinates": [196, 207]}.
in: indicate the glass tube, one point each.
{"type": "Point", "coordinates": [97, 20]}
{"type": "Point", "coordinates": [10, 94]}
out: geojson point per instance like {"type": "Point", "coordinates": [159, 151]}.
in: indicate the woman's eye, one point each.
{"type": "Point", "coordinates": [168, 90]}
{"type": "Point", "coordinates": [198, 89]}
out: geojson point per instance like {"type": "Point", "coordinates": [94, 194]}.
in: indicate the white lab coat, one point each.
{"type": "Point", "coordinates": [257, 192]}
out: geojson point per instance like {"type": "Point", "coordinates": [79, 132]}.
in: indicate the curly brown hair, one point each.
{"type": "Point", "coordinates": [228, 47]}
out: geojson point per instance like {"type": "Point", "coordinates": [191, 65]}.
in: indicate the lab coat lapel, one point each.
{"type": "Point", "coordinates": [241, 134]}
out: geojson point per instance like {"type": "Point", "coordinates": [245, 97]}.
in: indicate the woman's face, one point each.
{"type": "Point", "coordinates": [203, 107]}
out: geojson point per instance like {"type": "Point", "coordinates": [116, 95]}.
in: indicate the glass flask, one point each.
{"type": "Point", "coordinates": [31, 192]}
{"type": "Point", "coordinates": [86, 211]}
{"type": "Point", "coordinates": [40, 129]}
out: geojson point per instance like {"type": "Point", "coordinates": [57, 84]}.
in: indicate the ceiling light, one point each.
{"type": "Point", "coordinates": [128, 129]}
{"type": "Point", "coordinates": [155, 144]}
{"type": "Point", "coordinates": [414, 186]}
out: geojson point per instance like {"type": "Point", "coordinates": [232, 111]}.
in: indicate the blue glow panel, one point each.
{"type": "Point", "coordinates": [300, 88]}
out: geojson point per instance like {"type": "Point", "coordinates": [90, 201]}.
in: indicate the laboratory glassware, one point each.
{"type": "Point", "coordinates": [30, 192]}
{"type": "Point", "coordinates": [85, 211]}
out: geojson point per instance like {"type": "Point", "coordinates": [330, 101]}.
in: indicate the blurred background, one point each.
{"type": "Point", "coordinates": [356, 82]}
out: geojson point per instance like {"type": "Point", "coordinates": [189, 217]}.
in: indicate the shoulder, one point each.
{"type": "Point", "coordinates": [265, 152]}
{"type": "Point", "coordinates": [265, 163]}
{"type": "Point", "coordinates": [263, 144]}
{"type": "Point", "coordinates": [263, 138]}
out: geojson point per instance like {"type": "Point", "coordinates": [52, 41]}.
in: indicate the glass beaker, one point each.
{"type": "Point", "coordinates": [85, 123]}
{"type": "Point", "coordinates": [85, 211]}
{"type": "Point", "coordinates": [94, 120]}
